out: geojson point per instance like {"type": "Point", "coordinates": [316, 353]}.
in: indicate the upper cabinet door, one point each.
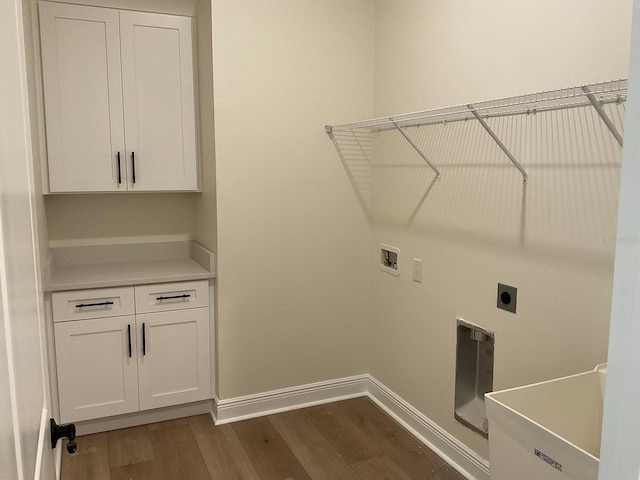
{"type": "Point", "coordinates": [159, 103]}
{"type": "Point", "coordinates": [83, 97]}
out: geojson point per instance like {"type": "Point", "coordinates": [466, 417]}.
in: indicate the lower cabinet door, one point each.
{"type": "Point", "coordinates": [97, 374]}
{"type": "Point", "coordinates": [173, 358]}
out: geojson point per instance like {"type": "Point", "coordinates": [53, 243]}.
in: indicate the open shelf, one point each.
{"type": "Point", "coordinates": [354, 136]}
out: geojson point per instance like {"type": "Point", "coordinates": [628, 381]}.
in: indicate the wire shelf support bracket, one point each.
{"type": "Point", "coordinates": [525, 175]}
{"type": "Point", "coordinates": [603, 115]}
{"type": "Point", "coordinates": [415, 147]}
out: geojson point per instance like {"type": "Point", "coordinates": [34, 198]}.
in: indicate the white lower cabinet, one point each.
{"type": "Point", "coordinates": [97, 376]}
{"type": "Point", "coordinates": [174, 365]}
{"type": "Point", "coordinates": [110, 365]}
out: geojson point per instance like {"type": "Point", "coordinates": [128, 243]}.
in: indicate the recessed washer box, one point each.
{"type": "Point", "coordinates": [474, 375]}
{"type": "Point", "coordinates": [389, 259]}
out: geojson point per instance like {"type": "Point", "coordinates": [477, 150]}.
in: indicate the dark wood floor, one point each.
{"type": "Point", "coordinates": [352, 440]}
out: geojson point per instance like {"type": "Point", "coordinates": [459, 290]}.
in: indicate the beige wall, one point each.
{"type": "Point", "coordinates": [432, 53]}
{"type": "Point", "coordinates": [293, 296]}
{"type": "Point", "coordinates": [81, 217]}
{"type": "Point", "coordinates": [479, 225]}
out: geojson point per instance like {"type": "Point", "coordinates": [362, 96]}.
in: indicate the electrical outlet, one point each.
{"type": "Point", "coordinates": [417, 270]}
{"type": "Point", "coordinates": [507, 297]}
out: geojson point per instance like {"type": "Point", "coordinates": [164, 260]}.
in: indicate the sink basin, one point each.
{"type": "Point", "coordinates": [549, 430]}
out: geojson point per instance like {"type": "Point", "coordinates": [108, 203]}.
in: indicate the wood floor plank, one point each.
{"type": "Point", "coordinates": [178, 422]}
{"type": "Point", "coordinates": [90, 466]}
{"type": "Point", "coordinates": [129, 445]}
{"type": "Point", "coordinates": [380, 468]}
{"type": "Point", "coordinates": [311, 448]}
{"type": "Point", "coordinates": [177, 455]}
{"type": "Point", "coordinates": [269, 453]}
{"type": "Point", "coordinates": [343, 434]}
{"type": "Point", "coordinates": [349, 440]}
{"type": "Point", "coordinates": [411, 455]}
{"type": "Point", "coordinates": [90, 462]}
{"type": "Point", "coordinates": [222, 451]}
{"type": "Point", "coordinates": [94, 443]}
{"type": "Point", "coordinates": [136, 471]}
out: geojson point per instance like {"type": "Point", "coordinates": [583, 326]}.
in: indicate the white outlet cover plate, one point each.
{"type": "Point", "coordinates": [417, 270]}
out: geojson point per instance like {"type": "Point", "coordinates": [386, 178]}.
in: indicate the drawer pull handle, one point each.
{"type": "Point", "coordinates": [133, 166]}
{"type": "Point", "coordinates": [119, 170]}
{"type": "Point", "coordinates": [100, 304]}
{"type": "Point", "coordinates": [129, 335]}
{"type": "Point", "coordinates": [144, 340]}
{"type": "Point", "coordinates": [172, 297]}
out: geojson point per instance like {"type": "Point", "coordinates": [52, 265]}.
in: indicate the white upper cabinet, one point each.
{"type": "Point", "coordinates": [119, 100]}
{"type": "Point", "coordinates": [157, 76]}
{"type": "Point", "coordinates": [83, 97]}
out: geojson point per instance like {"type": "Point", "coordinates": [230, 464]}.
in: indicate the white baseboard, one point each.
{"type": "Point", "coordinates": [458, 455]}
{"type": "Point", "coordinates": [449, 448]}
{"type": "Point", "coordinates": [276, 401]}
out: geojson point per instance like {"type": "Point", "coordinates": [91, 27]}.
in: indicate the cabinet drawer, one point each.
{"type": "Point", "coordinates": [172, 296]}
{"type": "Point", "coordinates": [85, 304]}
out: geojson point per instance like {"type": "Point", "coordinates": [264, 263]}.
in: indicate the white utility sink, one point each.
{"type": "Point", "coordinates": [549, 430]}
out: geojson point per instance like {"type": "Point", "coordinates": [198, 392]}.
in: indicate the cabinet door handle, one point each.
{"type": "Point", "coordinates": [186, 295]}
{"type": "Point", "coordinates": [133, 167]}
{"type": "Point", "coordinates": [129, 336]}
{"type": "Point", "coordinates": [119, 170]}
{"type": "Point", "coordinates": [99, 304]}
{"type": "Point", "coordinates": [144, 340]}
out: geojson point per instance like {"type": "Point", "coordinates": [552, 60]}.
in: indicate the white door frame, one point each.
{"type": "Point", "coordinates": [620, 449]}
{"type": "Point", "coordinates": [25, 447]}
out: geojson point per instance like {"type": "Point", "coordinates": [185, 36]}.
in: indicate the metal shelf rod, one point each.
{"type": "Point", "coordinates": [525, 175]}
{"type": "Point", "coordinates": [415, 147]}
{"type": "Point", "coordinates": [525, 111]}
{"type": "Point", "coordinates": [465, 117]}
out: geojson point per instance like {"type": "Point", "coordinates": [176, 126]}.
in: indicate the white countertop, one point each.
{"type": "Point", "coordinates": [124, 269]}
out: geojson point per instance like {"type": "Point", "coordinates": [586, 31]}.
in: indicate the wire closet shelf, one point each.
{"type": "Point", "coordinates": [594, 95]}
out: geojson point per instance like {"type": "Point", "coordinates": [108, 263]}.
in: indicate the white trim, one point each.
{"type": "Point", "coordinates": [276, 401]}
{"type": "Point", "coordinates": [620, 443]}
{"type": "Point", "coordinates": [449, 448]}
{"type": "Point", "coordinates": [58, 458]}
{"type": "Point", "coordinates": [43, 442]}
{"type": "Point", "coordinates": [454, 452]}
{"type": "Point", "coordinates": [11, 380]}
{"type": "Point", "coordinates": [84, 242]}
